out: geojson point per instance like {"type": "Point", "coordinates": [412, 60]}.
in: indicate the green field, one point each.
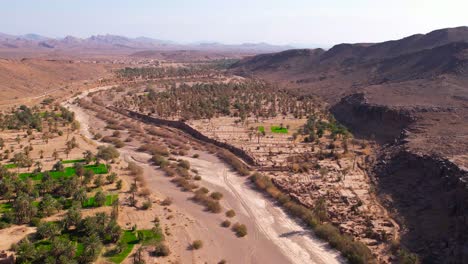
{"type": "Point", "coordinates": [278, 129]}
{"type": "Point", "coordinates": [10, 166]}
{"type": "Point", "coordinates": [72, 161]}
{"type": "Point", "coordinates": [109, 200]}
{"type": "Point", "coordinates": [68, 172]}
{"type": "Point", "coordinates": [130, 239]}
{"type": "Point", "coordinates": [261, 129]}
{"type": "Point", "coordinates": [5, 207]}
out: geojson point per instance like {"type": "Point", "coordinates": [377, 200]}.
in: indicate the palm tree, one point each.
{"type": "Point", "coordinates": [80, 196]}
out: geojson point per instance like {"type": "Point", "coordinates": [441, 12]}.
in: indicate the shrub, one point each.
{"type": "Point", "coordinates": [159, 160]}
{"type": "Point", "coordinates": [166, 202]}
{"type": "Point", "coordinates": [154, 149]}
{"type": "Point", "coordinates": [146, 205]}
{"type": "Point", "coordinates": [226, 223]}
{"type": "Point", "coordinates": [161, 250]}
{"type": "Point", "coordinates": [184, 184]}
{"type": "Point", "coordinates": [197, 178]}
{"type": "Point", "coordinates": [240, 229]}
{"type": "Point", "coordinates": [195, 156]}
{"type": "Point", "coordinates": [184, 164]}
{"type": "Point", "coordinates": [213, 206]}
{"type": "Point", "coordinates": [216, 195]}
{"type": "Point", "coordinates": [231, 213]}
{"type": "Point", "coordinates": [197, 244]}
{"type": "Point", "coordinates": [236, 164]}
{"type": "Point", "coordinates": [170, 172]}
{"type": "Point", "coordinates": [210, 204]}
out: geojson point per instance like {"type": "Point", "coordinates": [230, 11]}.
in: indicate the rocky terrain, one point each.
{"type": "Point", "coordinates": [410, 96]}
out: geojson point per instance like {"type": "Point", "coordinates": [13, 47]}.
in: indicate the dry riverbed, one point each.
{"type": "Point", "coordinates": [273, 237]}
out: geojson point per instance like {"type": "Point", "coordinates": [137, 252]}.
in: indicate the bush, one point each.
{"type": "Point", "coordinates": [197, 244]}
{"type": "Point", "coordinates": [161, 250]}
{"type": "Point", "coordinates": [159, 160]}
{"type": "Point", "coordinates": [231, 213]}
{"type": "Point", "coordinates": [216, 195]}
{"type": "Point", "coordinates": [166, 202]}
{"type": "Point", "coordinates": [203, 190]}
{"type": "Point", "coordinates": [226, 223]}
{"type": "Point", "coordinates": [146, 205]}
{"type": "Point", "coordinates": [154, 149]}
{"type": "Point", "coordinates": [240, 229]}
{"type": "Point", "coordinates": [210, 204]}
{"type": "Point", "coordinates": [232, 160]}
{"type": "Point", "coordinates": [184, 164]}
{"type": "Point", "coordinates": [184, 184]}
{"type": "Point", "coordinates": [213, 206]}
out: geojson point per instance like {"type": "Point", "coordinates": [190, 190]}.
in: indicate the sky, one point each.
{"type": "Point", "coordinates": [300, 22]}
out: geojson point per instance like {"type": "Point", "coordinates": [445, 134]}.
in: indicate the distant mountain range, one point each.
{"type": "Point", "coordinates": [125, 44]}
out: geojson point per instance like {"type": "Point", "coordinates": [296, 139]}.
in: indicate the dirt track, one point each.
{"type": "Point", "coordinates": [272, 237]}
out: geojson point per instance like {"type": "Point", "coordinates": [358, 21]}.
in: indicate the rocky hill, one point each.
{"type": "Point", "coordinates": [411, 96]}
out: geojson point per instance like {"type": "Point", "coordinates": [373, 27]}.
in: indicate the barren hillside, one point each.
{"type": "Point", "coordinates": [411, 95]}
{"type": "Point", "coordinates": [28, 78]}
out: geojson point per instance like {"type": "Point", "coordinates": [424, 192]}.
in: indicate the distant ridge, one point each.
{"type": "Point", "coordinates": [110, 42]}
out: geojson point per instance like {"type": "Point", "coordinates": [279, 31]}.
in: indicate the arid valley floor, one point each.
{"type": "Point", "coordinates": [227, 157]}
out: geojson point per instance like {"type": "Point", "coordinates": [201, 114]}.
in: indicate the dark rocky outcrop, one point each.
{"type": "Point", "coordinates": [371, 121]}
{"type": "Point", "coordinates": [430, 196]}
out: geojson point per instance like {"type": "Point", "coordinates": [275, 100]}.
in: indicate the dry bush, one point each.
{"type": "Point", "coordinates": [134, 169]}
{"type": "Point", "coordinates": [145, 192]}
{"type": "Point", "coordinates": [197, 244]}
{"type": "Point", "coordinates": [166, 202]}
{"type": "Point", "coordinates": [154, 149]}
{"type": "Point", "coordinates": [158, 132]}
{"type": "Point", "coordinates": [184, 184]}
{"type": "Point", "coordinates": [170, 172]}
{"type": "Point", "coordinates": [226, 223]}
{"type": "Point", "coordinates": [210, 204]}
{"type": "Point", "coordinates": [231, 213]}
{"type": "Point", "coordinates": [174, 143]}
{"type": "Point", "coordinates": [216, 195]}
{"type": "Point", "coordinates": [240, 229]}
{"type": "Point", "coordinates": [232, 160]}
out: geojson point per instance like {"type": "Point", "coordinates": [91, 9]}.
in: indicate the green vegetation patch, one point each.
{"type": "Point", "coordinates": [261, 129]}
{"type": "Point", "coordinates": [5, 207]}
{"type": "Point", "coordinates": [147, 236]}
{"type": "Point", "coordinates": [129, 239]}
{"type": "Point", "coordinates": [279, 129]}
{"type": "Point", "coordinates": [67, 172]}
{"type": "Point", "coordinates": [109, 201]}
{"type": "Point", "coordinates": [46, 244]}
{"type": "Point", "coordinates": [72, 161]}
{"type": "Point", "coordinates": [10, 166]}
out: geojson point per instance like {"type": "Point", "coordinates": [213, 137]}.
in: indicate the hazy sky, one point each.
{"type": "Point", "coordinates": [235, 21]}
